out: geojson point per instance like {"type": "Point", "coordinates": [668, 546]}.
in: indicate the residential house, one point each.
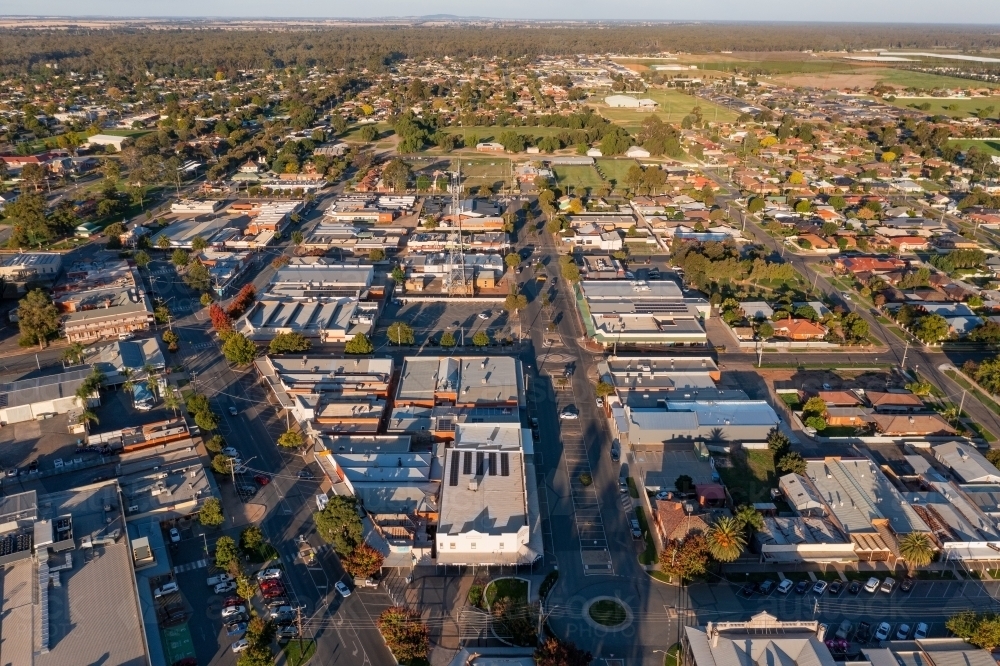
{"type": "Point", "coordinates": [911, 425]}
{"type": "Point", "coordinates": [799, 330]}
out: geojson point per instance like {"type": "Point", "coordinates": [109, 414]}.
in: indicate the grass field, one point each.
{"type": "Point", "coordinates": [674, 105]}
{"type": "Point", "coordinates": [615, 170]}
{"type": "Point", "coordinates": [992, 146]}
{"type": "Point", "coordinates": [952, 107]}
{"type": "Point", "coordinates": [493, 132]}
{"type": "Point", "coordinates": [127, 132]}
{"type": "Point", "coordinates": [751, 477]}
{"type": "Point", "coordinates": [577, 178]}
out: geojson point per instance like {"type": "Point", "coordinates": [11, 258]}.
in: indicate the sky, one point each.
{"type": "Point", "coordinates": [879, 11]}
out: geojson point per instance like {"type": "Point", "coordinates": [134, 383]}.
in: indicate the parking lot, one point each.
{"type": "Point", "coordinates": [931, 602]}
{"type": "Point", "coordinates": [430, 320]}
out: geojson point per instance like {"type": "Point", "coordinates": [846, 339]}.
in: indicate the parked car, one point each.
{"type": "Point", "coordinates": [835, 587]}
{"type": "Point", "coordinates": [231, 452]}
{"type": "Point", "coordinates": [747, 590]}
{"type": "Point", "coordinates": [273, 592]}
{"type": "Point", "coordinates": [903, 632]}
{"type": "Point", "coordinates": [882, 632]}
{"type": "Point", "coordinates": [906, 584]}
{"type": "Point", "coordinates": [262, 479]}
{"type": "Point", "coordinates": [854, 587]}
{"type": "Point", "coordinates": [872, 585]}
{"type": "Point", "coordinates": [241, 645]}
{"type": "Point", "coordinates": [343, 589]}
{"type": "Point", "coordinates": [765, 587]}
{"type": "Point", "coordinates": [269, 574]}
{"type": "Point", "coordinates": [232, 601]}
{"type": "Point", "coordinates": [222, 588]}
{"type": "Point", "coordinates": [785, 586]}
{"type": "Point", "coordinates": [305, 474]}
{"type": "Point", "coordinates": [663, 494]}
{"type": "Point", "coordinates": [236, 630]}
{"type": "Point", "coordinates": [888, 584]}
{"type": "Point", "coordinates": [484, 315]}
{"type": "Point", "coordinates": [232, 411]}
{"type": "Point", "coordinates": [12, 471]}
{"type": "Point", "coordinates": [218, 578]}
{"type": "Point", "coordinates": [633, 524]}
{"type": "Point", "coordinates": [165, 589]}
{"type": "Point", "coordinates": [289, 631]}
{"type": "Point", "coordinates": [365, 582]}
{"type": "Point", "coordinates": [861, 635]}
{"type": "Point", "coordinates": [229, 611]}
{"type": "Point", "coordinates": [801, 587]}
{"type": "Point", "coordinates": [920, 632]}
{"type": "Point", "coordinates": [844, 630]}
{"type": "Point", "coordinates": [568, 414]}
{"type": "Point", "coordinates": [820, 587]}
{"type": "Point", "coordinates": [175, 535]}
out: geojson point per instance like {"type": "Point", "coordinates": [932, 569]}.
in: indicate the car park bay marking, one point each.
{"type": "Point", "coordinates": [191, 566]}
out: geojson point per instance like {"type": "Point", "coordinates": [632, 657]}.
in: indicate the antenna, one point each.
{"type": "Point", "coordinates": [455, 281]}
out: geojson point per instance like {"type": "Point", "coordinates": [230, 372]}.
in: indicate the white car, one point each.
{"type": "Point", "coordinates": [222, 588]}
{"type": "Point", "coordinates": [882, 632]}
{"type": "Point", "coordinates": [820, 587]}
{"type": "Point", "coordinates": [175, 535]}
{"type": "Point", "coordinates": [484, 315]}
{"type": "Point", "coordinates": [166, 589]}
{"type": "Point", "coordinates": [920, 632]}
{"type": "Point", "coordinates": [343, 589]}
{"type": "Point", "coordinates": [568, 415]}
{"type": "Point", "coordinates": [663, 494]}
{"type": "Point", "coordinates": [229, 611]}
{"type": "Point", "coordinates": [231, 452]}
{"type": "Point", "coordinates": [241, 645]}
{"type": "Point", "coordinates": [872, 585]}
{"type": "Point", "coordinates": [269, 574]}
{"type": "Point", "coordinates": [232, 411]}
{"type": "Point", "coordinates": [902, 632]}
{"type": "Point", "coordinates": [786, 585]}
{"type": "Point", "coordinates": [600, 401]}
{"type": "Point", "coordinates": [846, 296]}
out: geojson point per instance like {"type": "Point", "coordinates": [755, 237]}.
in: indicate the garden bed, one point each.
{"type": "Point", "coordinates": [607, 613]}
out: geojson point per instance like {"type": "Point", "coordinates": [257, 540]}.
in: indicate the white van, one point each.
{"type": "Point", "coordinates": [322, 501]}
{"type": "Point", "coordinates": [166, 589]}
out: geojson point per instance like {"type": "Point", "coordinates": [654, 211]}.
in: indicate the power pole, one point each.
{"type": "Point", "coordinates": [298, 624]}
{"type": "Point", "coordinates": [905, 349]}
{"type": "Point", "coordinates": [961, 404]}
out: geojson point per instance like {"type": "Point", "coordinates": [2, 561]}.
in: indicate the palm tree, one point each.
{"type": "Point", "coordinates": [170, 401]}
{"type": "Point", "coordinates": [87, 417]}
{"type": "Point", "coordinates": [917, 549]}
{"type": "Point", "coordinates": [725, 539]}
{"type": "Point", "coordinates": [128, 385]}
{"type": "Point", "coordinates": [74, 353]}
{"type": "Point", "coordinates": [150, 372]}
{"type": "Point", "coordinates": [749, 517]}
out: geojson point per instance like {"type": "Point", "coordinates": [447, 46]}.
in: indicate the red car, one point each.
{"type": "Point", "coordinates": [264, 584]}
{"type": "Point", "coordinates": [262, 479]}
{"type": "Point", "coordinates": [232, 601]}
{"type": "Point", "coordinates": [271, 592]}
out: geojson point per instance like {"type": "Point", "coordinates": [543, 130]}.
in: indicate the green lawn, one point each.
{"type": "Point", "coordinates": [607, 612]}
{"type": "Point", "coordinates": [950, 107]}
{"type": "Point", "coordinates": [991, 146]}
{"type": "Point", "coordinates": [674, 105]}
{"type": "Point", "coordinates": [792, 400]}
{"type": "Point", "coordinates": [615, 170]}
{"type": "Point", "coordinates": [492, 132]}
{"type": "Point", "coordinates": [906, 79]}
{"type": "Point", "coordinates": [751, 476]}
{"type": "Point", "coordinates": [127, 132]}
{"type": "Point", "coordinates": [296, 655]}
{"type": "Point", "coordinates": [579, 178]}
{"type": "Point", "coordinates": [511, 588]}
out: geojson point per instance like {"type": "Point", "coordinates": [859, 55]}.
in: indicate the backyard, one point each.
{"type": "Point", "coordinates": [750, 476]}
{"type": "Point", "coordinates": [613, 170]}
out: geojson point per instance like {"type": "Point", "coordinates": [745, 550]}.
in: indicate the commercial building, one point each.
{"type": "Point", "coordinates": [108, 314]}
{"type": "Point", "coordinates": [859, 500]}
{"type": "Point", "coordinates": [330, 319]}
{"type": "Point", "coordinates": [461, 382]}
{"type": "Point", "coordinates": [195, 207]}
{"type": "Point", "coordinates": [43, 397]}
{"type": "Point", "coordinates": [69, 592]}
{"type": "Point", "coordinates": [687, 421]}
{"type": "Point", "coordinates": [966, 463]}
{"type": "Point", "coordinates": [488, 507]}
{"type": "Point", "coordinates": [31, 266]}
{"type": "Point", "coordinates": [639, 312]}
{"type": "Point", "coordinates": [763, 639]}
{"type": "Point", "coordinates": [160, 475]}
{"type": "Point", "coordinates": [317, 279]}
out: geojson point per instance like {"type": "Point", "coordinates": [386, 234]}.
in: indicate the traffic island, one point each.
{"type": "Point", "coordinates": [607, 614]}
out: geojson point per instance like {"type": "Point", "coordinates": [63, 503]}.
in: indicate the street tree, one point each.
{"type": "Point", "coordinates": [359, 344]}
{"type": "Point", "coordinates": [447, 339]}
{"type": "Point", "coordinates": [239, 349]}
{"type": "Point", "coordinates": [246, 588]}
{"type": "Point", "coordinates": [198, 243]}
{"type": "Point", "coordinates": [363, 562]}
{"type": "Point", "coordinates": [481, 339]}
{"type": "Point", "coordinates": [603, 389]}
{"type": "Point", "coordinates": [211, 513]}
{"type": "Point", "coordinates": [290, 439]}
{"type": "Point", "coordinates": [405, 633]}
{"type": "Point", "coordinates": [251, 538]}
{"type": "Point", "coordinates": [339, 524]}
{"type": "Point", "coordinates": [400, 333]}
{"type": "Point", "coordinates": [685, 559]}
{"type": "Point", "coordinates": [515, 302]}
{"type": "Point", "coordinates": [556, 652]}
{"type": "Point", "coordinates": [179, 257]}
{"type": "Point", "coordinates": [197, 276]}
{"type": "Point", "coordinates": [141, 258]}
{"type": "Point", "coordinates": [287, 343]}
{"type": "Point", "coordinates": [226, 552]}
{"type": "Point", "coordinates": [38, 318]}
